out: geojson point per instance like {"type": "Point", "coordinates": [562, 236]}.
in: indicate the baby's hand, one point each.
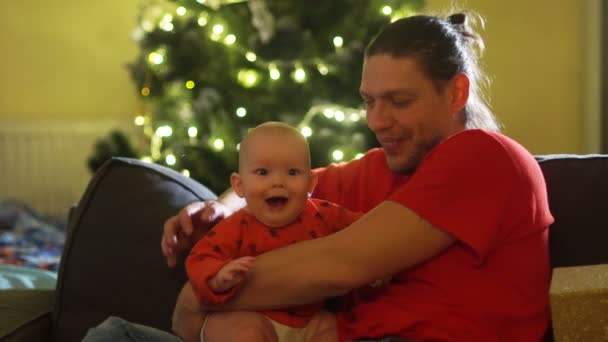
{"type": "Point", "coordinates": [231, 274]}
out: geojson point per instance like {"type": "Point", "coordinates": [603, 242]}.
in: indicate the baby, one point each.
{"type": "Point", "coordinates": [276, 180]}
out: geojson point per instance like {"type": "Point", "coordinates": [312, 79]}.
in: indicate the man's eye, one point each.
{"type": "Point", "coordinates": [400, 102]}
{"type": "Point", "coordinates": [294, 172]}
{"type": "Point", "coordinates": [261, 172]}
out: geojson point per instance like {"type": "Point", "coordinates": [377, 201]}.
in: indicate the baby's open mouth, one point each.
{"type": "Point", "coordinates": [276, 201]}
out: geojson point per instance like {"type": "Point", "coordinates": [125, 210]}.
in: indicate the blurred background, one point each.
{"type": "Point", "coordinates": [80, 81]}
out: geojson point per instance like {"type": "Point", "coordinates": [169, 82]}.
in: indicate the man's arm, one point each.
{"type": "Point", "coordinates": [388, 239]}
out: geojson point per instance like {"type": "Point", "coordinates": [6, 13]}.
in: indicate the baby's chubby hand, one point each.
{"type": "Point", "coordinates": [231, 274]}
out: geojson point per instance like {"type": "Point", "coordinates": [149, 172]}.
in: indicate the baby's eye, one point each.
{"type": "Point", "coordinates": [294, 172]}
{"type": "Point", "coordinates": [261, 172]}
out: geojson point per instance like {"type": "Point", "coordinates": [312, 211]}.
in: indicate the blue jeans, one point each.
{"type": "Point", "coordinates": [115, 329]}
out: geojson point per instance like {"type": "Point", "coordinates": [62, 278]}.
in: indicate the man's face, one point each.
{"type": "Point", "coordinates": [405, 110]}
{"type": "Point", "coordinates": [274, 178]}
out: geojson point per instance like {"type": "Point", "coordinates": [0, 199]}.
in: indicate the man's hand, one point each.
{"type": "Point", "coordinates": [231, 274]}
{"type": "Point", "coordinates": [188, 318]}
{"type": "Point", "coordinates": [181, 231]}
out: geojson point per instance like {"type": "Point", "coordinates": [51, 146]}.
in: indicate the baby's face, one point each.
{"type": "Point", "coordinates": [275, 178]}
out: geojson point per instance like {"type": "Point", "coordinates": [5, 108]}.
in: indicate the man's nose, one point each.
{"type": "Point", "coordinates": [378, 117]}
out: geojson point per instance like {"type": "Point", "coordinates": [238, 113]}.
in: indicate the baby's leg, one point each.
{"type": "Point", "coordinates": [322, 328]}
{"type": "Point", "coordinates": [232, 326]}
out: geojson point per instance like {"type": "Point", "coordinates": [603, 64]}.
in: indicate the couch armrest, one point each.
{"type": "Point", "coordinates": [25, 315]}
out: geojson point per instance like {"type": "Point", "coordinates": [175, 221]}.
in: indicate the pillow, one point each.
{"type": "Point", "coordinates": [112, 262]}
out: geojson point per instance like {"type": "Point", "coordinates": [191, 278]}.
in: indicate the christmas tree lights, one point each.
{"type": "Point", "coordinates": [209, 70]}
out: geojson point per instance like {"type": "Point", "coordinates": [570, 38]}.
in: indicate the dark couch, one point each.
{"type": "Point", "coordinates": [112, 264]}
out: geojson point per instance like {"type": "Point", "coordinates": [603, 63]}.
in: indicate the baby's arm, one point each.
{"type": "Point", "coordinates": [231, 274]}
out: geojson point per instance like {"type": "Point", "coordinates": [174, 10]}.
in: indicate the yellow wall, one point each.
{"type": "Point", "coordinates": [65, 60]}
{"type": "Point", "coordinates": [534, 55]}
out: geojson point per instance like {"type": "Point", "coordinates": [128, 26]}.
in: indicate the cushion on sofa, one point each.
{"type": "Point", "coordinates": [112, 262]}
{"type": "Point", "coordinates": [577, 186]}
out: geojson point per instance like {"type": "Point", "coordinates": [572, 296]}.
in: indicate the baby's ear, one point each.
{"type": "Point", "coordinates": [312, 183]}
{"type": "Point", "coordinates": [237, 184]}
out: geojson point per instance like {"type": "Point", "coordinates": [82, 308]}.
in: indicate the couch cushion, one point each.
{"type": "Point", "coordinates": [578, 197]}
{"type": "Point", "coordinates": [112, 262]}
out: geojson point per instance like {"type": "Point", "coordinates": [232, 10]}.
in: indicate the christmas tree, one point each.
{"type": "Point", "coordinates": [209, 70]}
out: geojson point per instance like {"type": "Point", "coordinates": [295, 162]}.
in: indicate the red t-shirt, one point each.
{"type": "Point", "coordinates": [489, 193]}
{"type": "Point", "coordinates": [241, 234]}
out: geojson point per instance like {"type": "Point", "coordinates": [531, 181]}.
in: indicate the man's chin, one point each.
{"type": "Point", "coordinates": [400, 166]}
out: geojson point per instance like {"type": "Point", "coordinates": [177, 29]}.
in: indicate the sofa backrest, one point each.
{"type": "Point", "coordinates": [577, 186]}
{"type": "Point", "coordinates": [112, 262]}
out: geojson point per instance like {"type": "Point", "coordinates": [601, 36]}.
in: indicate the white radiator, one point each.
{"type": "Point", "coordinates": [43, 165]}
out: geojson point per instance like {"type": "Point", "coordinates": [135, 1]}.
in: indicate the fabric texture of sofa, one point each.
{"type": "Point", "coordinates": [112, 264]}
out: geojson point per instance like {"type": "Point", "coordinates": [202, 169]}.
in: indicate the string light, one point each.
{"type": "Point", "coordinates": [186, 173]}
{"type": "Point", "coordinates": [218, 144]}
{"type": "Point", "coordinates": [166, 23]}
{"type": "Point", "coordinates": [387, 10]}
{"type": "Point", "coordinates": [203, 19]}
{"type": "Point", "coordinates": [146, 159]}
{"type": "Point", "coordinates": [164, 131]}
{"type": "Point", "coordinates": [329, 113]}
{"type": "Point", "coordinates": [218, 29]}
{"type": "Point", "coordinates": [181, 11]}
{"type": "Point", "coordinates": [359, 156]}
{"type": "Point", "coordinates": [337, 155]}
{"type": "Point", "coordinates": [170, 159]}
{"type": "Point", "coordinates": [299, 75]}
{"type": "Point", "coordinates": [354, 117]}
{"type": "Point", "coordinates": [306, 131]}
{"type": "Point", "coordinates": [323, 70]}
{"type": "Point", "coordinates": [230, 39]}
{"type": "Point", "coordinates": [145, 91]}
{"type": "Point", "coordinates": [192, 132]}
{"type": "Point", "coordinates": [190, 84]}
{"type": "Point", "coordinates": [251, 56]}
{"type": "Point", "coordinates": [140, 120]}
{"type": "Point", "coordinates": [339, 115]}
{"type": "Point", "coordinates": [156, 57]}
{"type": "Point", "coordinates": [201, 1]}
{"type": "Point", "coordinates": [274, 72]}
{"type": "Point", "coordinates": [248, 77]}
{"type": "Point", "coordinates": [338, 41]}
{"type": "Point", "coordinates": [241, 112]}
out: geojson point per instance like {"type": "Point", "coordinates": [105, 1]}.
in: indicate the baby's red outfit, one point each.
{"type": "Point", "coordinates": [242, 234]}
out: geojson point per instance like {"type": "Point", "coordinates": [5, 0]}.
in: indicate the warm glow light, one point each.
{"type": "Point", "coordinates": [241, 112]}
{"type": "Point", "coordinates": [145, 91]}
{"type": "Point", "coordinates": [140, 120]}
{"type": "Point", "coordinates": [156, 58]}
{"type": "Point", "coordinates": [275, 74]}
{"type": "Point", "coordinates": [170, 159]}
{"type": "Point", "coordinates": [201, 1]}
{"type": "Point", "coordinates": [337, 155]}
{"type": "Point", "coordinates": [218, 29]}
{"type": "Point", "coordinates": [251, 56]}
{"type": "Point", "coordinates": [202, 19]}
{"type": "Point", "coordinates": [248, 77]}
{"type": "Point", "coordinates": [359, 156]}
{"type": "Point", "coordinates": [329, 113]}
{"type": "Point", "coordinates": [230, 39]}
{"type": "Point", "coordinates": [338, 41]}
{"type": "Point", "coordinates": [299, 75]}
{"type": "Point", "coordinates": [146, 159]}
{"type": "Point", "coordinates": [387, 10]}
{"type": "Point", "coordinates": [186, 172]}
{"type": "Point", "coordinates": [166, 22]}
{"type": "Point", "coordinates": [339, 115]}
{"type": "Point", "coordinates": [190, 84]}
{"type": "Point", "coordinates": [306, 131]}
{"type": "Point", "coordinates": [218, 144]}
{"type": "Point", "coordinates": [323, 70]}
{"type": "Point", "coordinates": [354, 117]}
{"type": "Point", "coordinates": [164, 131]}
{"type": "Point", "coordinates": [192, 132]}
{"type": "Point", "coordinates": [181, 10]}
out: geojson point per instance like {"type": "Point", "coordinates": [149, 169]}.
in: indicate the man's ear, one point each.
{"type": "Point", "coordinates": [312, 183]}
{"type": "Point", "coordinates": [459, 86]}
{"type": "Point", "coordinates": [237, 184]}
